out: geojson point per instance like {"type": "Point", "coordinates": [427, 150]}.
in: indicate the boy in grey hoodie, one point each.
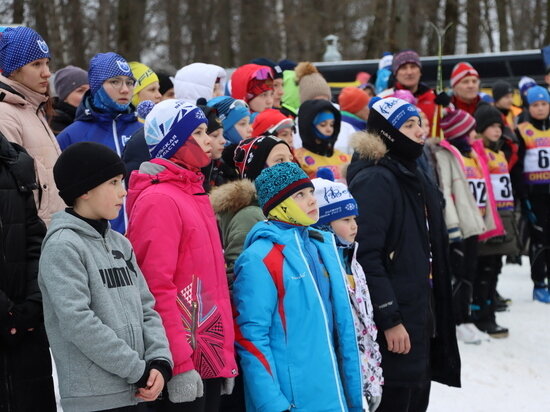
{"type": "Point", "coordinates": [107, 340]}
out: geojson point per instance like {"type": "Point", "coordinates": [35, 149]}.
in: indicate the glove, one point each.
{"type": "Point", "coordinates": [442, 99]}
{"type": "Point", "coordinates": [227, 386]}
{"type": "Point", "coordinates": [527, 211]}
{"type": "Point", "coordinates": [185, 387]}
{"type": "Point", "coordinates": [454, 234]}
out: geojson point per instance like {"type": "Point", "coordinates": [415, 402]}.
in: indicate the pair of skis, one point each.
{"type": "Point", "coordinates": [438, 114]}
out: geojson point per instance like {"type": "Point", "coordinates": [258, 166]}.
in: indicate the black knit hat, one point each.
{"type": "Point", "coordinates": [486, 115]}
{"type": "Point", "coordinates": [214, 122]}
{"type": "Point", "coordinates": [165, 83]}
{"type": "Point", "coordinates": [83, 166]}
{"type": "Point", "coordinates": [501, 89]}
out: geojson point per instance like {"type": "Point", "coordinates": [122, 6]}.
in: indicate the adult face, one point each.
{"type": "Point", "coordinates": [34, 75]}
{"type": "Point", "coordinates": [467, 89]}
{"type": "Point", "coordinates": [408, 75]}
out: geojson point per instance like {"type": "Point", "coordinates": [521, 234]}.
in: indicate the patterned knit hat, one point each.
{"type": "Point", "coordinates": [251, 155]}
{"type": "Point", "coordinates": [169, 125]}
{"type": "Point", "coordinates": [20, 46]}
{"type": "Point", "coordinates": [279, 182]}
{"type": "Point", "coordinates": [395, 111]}
{"type": "Point", "coordinates": [457, 123]}
{"type": "Point", "coordinates": [103, 66]}
{"type": "Point", "coordinates": [270, 121]}
{"type": "Point", "coordinates": [537, 93]}
{"type": "Point", "coordinates": [334, 201]}
{"type": "Point", "coordinates": [230, 111]}
{"type": "Point", "coordinates": [353, 99]}
{"type": "Point", "coordinates": [404, 57]}
{"type": "Point", "coordinates": [525, 83]}
{"type": "Point", "coordinates": [460, 71]}
{"type": "Point", "coordinates": [144, 77]}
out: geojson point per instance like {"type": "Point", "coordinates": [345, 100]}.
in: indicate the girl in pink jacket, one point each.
{"type": "Point", "coordinates": [174, 233]}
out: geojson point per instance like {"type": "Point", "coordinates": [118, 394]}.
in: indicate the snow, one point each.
{"type": "Point", "coordinates": [511, 374]}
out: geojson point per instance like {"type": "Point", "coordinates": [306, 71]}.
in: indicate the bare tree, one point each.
{"type": "Point", "coordinates": [376, 35]}
{"type": "Point", "coordinates": [451, 16]}
{"type": "Point", "coordinates": [473, 26]}
{"type": "Point", "coordinates": [501, 6]}
{"type": "Point", "coordinates": [18, 10]}
{"type": "Point", "coordinates": [130, 18]}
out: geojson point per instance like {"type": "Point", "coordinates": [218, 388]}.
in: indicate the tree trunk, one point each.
{"type": "Point", "coordinates": [376, 38]}
{"type": "Point", "coordinates": [451, 16]}
{"type": "Point", "coordinates": [131, 18]}
{"type": "Point", "coordinates": [18, 11]}
{"type": "Point", "coordinates": [173, 15]}
{"type": "Point", "coordinates": [57, 46]}
{"type": "Point", "coordinates": [503, 24]}
{"type": "Point", "coordinates": [487, 25]}
{"type": "Point", "coordinates": [473, 26]}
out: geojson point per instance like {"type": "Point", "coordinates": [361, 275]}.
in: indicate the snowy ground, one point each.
{"type": "Point", "coordinates": [510, 374]}
{"type": "Point", "coordinates": [505, 375]}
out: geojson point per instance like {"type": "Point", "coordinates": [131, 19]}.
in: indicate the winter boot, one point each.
{"type": "Point", "coordinates": [501, 304]}
{"type": "Point", "coordinates": [540, 293]}
{"type": "Point", "coordinates": [491, 328]}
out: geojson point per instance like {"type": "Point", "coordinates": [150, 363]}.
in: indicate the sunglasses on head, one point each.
{"type": "Point", "coordinates": [263, 73]}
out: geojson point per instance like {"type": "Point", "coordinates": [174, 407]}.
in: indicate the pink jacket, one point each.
{"type": "Point", "coordinates": [173, 230]}
{"type": "Point", "coordinates": [22, 121]}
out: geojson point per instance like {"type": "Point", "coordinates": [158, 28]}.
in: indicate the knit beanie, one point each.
{"type": "Point", "coordinates": [20, 46]}
{"type": "Point", "coordinates": [352, 99]}
{"type": "Point", "coordinates": [251, 155]}
{"type": "Point", "coordinates": [230, 111]}
{"type": "Point", "coordinates": [287, 64]}
{"type": "Point", "coordinates": [279, 182]}
{"type": "Point", "coordinates": [404, 57]}
{"type": "Point", "coordinates": [457, 123]}
{"type": "Point", "coordinates": [276, 69]}
{"type": "Point", "coordinates": [251, 80]}
{"type": "Point", "coordinates": [386, 118]}
{"type": "Point", "coordinates": [168, 126]}
{"type": "Point", "coordinates": [312, 83]}
{"type": "Point", "coordinates": [164, 82]}
{"type": "Point", "coordinates": [270, 121]}
{"type": "Point", "coordinates": [214, 122]}
{"type": "Point", "coordinates": [462, 70]}
{"type": "Point", "coordinates": [83, 166]}
{"type": "Point", "coordinates": [144, 77]}
{"type": "Point", "coordinates": [406, 95]}
{"type": "Point", "coordinates": [334, 201]}
{"type": "Point", "coordinates": [537, 93]}
{"type": "Point", "coordinates": [487, 115]}
{"type": "Point", "coordinates": [525, 83]}
{"type": "Point", "coordinates": [103, 66]}
{"type": "Point", "coordinates": [68, 79]}
{"type": "Point", "coordinates": [501, 89]}
{"type": "Point", "coordinates": [385, 61]}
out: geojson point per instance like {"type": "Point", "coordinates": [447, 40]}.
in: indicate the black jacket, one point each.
{"type": "Point", "coordinates": [64, 115]}
{"type": "Point", "coordinates": [396, 207]}
{"type": "Point", "coordinates": [25, 366]}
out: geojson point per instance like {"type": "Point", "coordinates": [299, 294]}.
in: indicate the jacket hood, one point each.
{"type": "Point", "coordinates": [86, 112]}
{"type": "Point", "coordinates": [240, 79]}
{"type": "Point", "coordinates": [63, 220]}
{"type": "Point", "coordinates": [197, 80]}
{"type": "Point", "coordinates": [162, 171]}
{"type": "Point", "coordinates": [20, 164]}
{"type": "Point", "coordinates": [15, 93]}
{"type": "Point", "coordinates": [306, 114]}
{"type": "Point", "coordinates": [368, 149]}
{"type": "Point", "coordinates": [233, 196]}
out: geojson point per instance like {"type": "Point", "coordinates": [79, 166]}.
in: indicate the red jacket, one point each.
{"type": "Point", "coordinates": [174, 233]}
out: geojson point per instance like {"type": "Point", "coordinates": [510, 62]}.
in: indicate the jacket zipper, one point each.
{"type": "Point", "coordinates": [194, 306]}
{"type": "Point", "coordinates": [119, 152]}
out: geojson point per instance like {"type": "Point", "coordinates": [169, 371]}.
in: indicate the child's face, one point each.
{"type": "Point", "coordinates": [204, 141]}
{"type": "Point", "coordinates": [413, 130]}
{"type": "Point", "coordinates": [493, 132]}
{"type": "Point", "coordinates": [326, 127]}
{"type": "Point", "coordinates": [262, 102]}
{"type": "Point", "coordinates": [218, 143]}
{"type": "Point", "coordinates": [346, 228]}
{"type": "Point", "coordinates": [244, 128]}
{"type": "Point", "coordinates": [286, 135]}
{"type": "Point", "coordinates": [307, 202]}
{"type": "Point", "coordinates": [279, 154]}
{"type": "Point", "coordinates": [151, 92]}
{"type": "Point", "coordinates": [103, 201]}
{"type": "Point", "coordinates": [539, 110]}
{"type": "Point", "coordinates": [278, 92]}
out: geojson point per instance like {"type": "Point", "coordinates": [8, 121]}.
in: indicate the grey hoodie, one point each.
{"type": "Point", "coordinates": [99, 315]}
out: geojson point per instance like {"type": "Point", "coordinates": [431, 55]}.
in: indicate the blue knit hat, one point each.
{"type": "Point", "coordinates": [394, 110]}
{"type": "Point", "coordinates": [20, 46]}
{"type": "Point", "coordinates": [537, 93]}
{"type": "Point", "coordinates": [103, 66]}
{"type": "Point", "coordinates": [230, 111]}
{"type": "Point", "coordinates": [279, 182]}
{"type": "Point", "coordinates": [334, 201]}
{"type": "Point", "coordinates": [169, 125]}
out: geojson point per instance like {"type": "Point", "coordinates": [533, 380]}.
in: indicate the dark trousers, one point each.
{"type": "Point", "coordinates": [539, 249]}
{"type": "Point", "coordinates": [209, 402]}
{"type": "Point", "coordinates": [464, 268]}
{"type": "Point", "coordinates": [485, 287]}
{"type": "Point", "coordinates": [235, 401]}
{"type": "Point", "coordinates": [405, 399]}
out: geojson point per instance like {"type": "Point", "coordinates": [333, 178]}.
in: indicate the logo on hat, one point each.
{"type": "Point", "coordinates": [43, 46]}
{"type": "Point", "coordinates": [122, 65]}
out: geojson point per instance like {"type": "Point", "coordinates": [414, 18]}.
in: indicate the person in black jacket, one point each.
{"type": "Point", "coordinates": [403, 249]}
{"type": "Point", "coordinates": [26, 382]}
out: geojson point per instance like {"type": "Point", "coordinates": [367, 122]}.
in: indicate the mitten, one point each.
{"type": "Point", "coordinates": [454, 234]}
{"type": "Point", "coordinates": [227, 386]}
{"type": "Point", "coordinates": [442, 99]}
{"type": "Point", "coordinates": [185, 387]}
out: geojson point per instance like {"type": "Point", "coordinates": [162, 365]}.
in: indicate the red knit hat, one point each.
{"type": "Point", "coordinates": [460, 71]}
{"type": "Point", "coordinates": [457, 123]}
{"type": "Point", "coordinates": [268, 121]}
{"type": "Point", "coordinates": [353, 99]}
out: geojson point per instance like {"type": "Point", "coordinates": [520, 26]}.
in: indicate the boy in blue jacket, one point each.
{"type": "Point", "coordinates": [294, 327]}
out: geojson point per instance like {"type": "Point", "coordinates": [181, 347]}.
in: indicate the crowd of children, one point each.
{"type": "Point", "coordinates": [276, 251]}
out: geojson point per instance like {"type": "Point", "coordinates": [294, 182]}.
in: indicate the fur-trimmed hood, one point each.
{"type": "Point", "coordinates": [233, 196]}
{"type": "Point", "coordinates": [368, 146]}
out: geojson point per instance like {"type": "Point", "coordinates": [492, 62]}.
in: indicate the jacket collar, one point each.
{"type": "Point", "coordinates": [16, 93]}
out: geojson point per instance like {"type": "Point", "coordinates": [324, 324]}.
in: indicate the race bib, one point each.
{"type": "Point", "coordinates": [536, 167]}
{"type": "Point", "coordinates": [479, 190]}
{"type": "Point", "coordinates": [502, 189]}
